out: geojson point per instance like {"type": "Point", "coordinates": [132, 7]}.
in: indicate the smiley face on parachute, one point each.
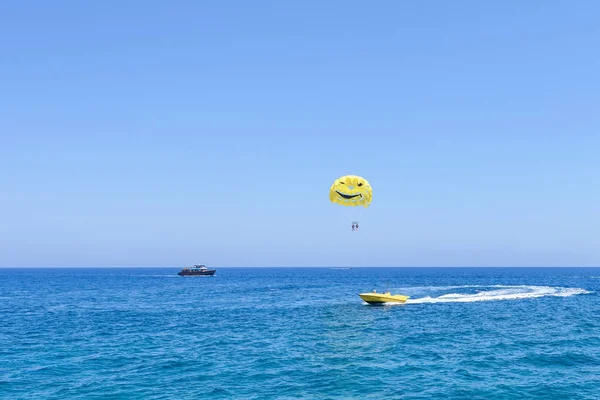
{"type": "Point", "coordinates": [351, 190]}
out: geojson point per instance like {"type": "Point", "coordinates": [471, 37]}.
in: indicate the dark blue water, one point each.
{"type": "Point", "coordinates": [260, 333]}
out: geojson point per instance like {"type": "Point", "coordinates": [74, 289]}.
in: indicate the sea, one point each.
{"type": "Point", "coordinates": [299, 333]}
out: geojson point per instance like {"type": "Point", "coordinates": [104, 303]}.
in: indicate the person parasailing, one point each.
{"type": "Point", "coordinates": [351, 192]}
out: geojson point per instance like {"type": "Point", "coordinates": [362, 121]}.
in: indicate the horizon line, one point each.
{"type": "Point", "coordinates": [304, 266]}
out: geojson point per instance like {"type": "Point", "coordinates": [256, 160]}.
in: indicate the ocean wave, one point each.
{"type": "Point", "coordinates": [505, 293]}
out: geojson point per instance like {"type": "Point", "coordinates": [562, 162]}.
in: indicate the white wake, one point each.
{"type": "Point", "coordinates": [500, 293]}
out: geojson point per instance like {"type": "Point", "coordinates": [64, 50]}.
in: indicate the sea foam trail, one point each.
{"type": "Point", "coordinates": [506, 293]}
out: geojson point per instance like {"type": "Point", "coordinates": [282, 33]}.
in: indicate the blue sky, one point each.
{"type": "Point", "coordinates": [152, 133]}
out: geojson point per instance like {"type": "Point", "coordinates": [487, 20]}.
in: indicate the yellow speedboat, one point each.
{"type": "Point", "coordinates": [381, 298]}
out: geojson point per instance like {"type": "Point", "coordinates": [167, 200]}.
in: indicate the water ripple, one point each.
{"type": "Point", "coordinates": [304, 333]}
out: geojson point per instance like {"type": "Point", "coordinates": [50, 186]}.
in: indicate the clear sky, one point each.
{"type": "Point", "coordinates": [164, 133]}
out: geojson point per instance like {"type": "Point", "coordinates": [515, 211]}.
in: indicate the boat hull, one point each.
{"type": "Point", "coordinates": [382, 298]}
{"type": "Point", "coordinates": [196, 273]}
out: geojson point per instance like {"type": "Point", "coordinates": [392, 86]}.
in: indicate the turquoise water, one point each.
{"type": "Point", "coordinates": [262, 333]}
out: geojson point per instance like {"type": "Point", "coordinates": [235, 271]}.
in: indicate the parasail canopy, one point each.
{"type": "Point", "coordinates": [351, 191]}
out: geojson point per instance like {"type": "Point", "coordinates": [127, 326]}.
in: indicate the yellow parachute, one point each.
{"type": "Point", "coordinates": [351, 191]}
